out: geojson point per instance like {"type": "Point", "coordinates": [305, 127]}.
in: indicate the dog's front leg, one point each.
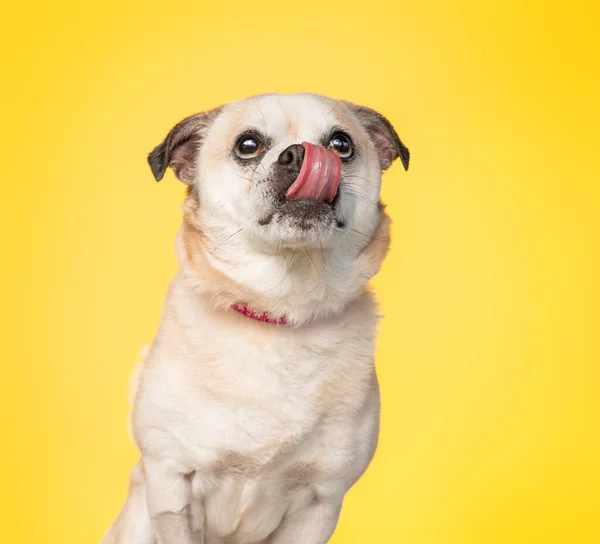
{"type": "Point", "coordinates": [312, 525]}
{"type": "Point", "coordinates": [169, 495]}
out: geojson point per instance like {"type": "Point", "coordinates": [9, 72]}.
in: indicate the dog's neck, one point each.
{"type": "Point", "coordinates": [295, 286]}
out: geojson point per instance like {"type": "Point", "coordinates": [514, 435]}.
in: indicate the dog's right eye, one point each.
{"type": "Point", "coordinates": [249, 146]}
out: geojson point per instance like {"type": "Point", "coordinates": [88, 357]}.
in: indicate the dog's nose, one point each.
{"type": "Point", "coordinates": [292, 157]}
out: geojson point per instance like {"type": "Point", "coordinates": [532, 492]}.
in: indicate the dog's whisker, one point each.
{"type": "Point", "coordinates": [347, 183]}
{"type": "Point", "coordinates": [358, 232]}
{"type": "Point", "coordinates": [359, 177]}
{"type": "Point", "coordinates": [352, 190]}
{"type": "Point", "coordinates": [289, 264]}
{"type": "Point", "coordinates": [255, 170]}
{"type": "Point", "coordinates": [362, 198]}
{"type": "Point", "coordinates": [258, 107]}
{"type": "Point", "coordinates": [311, 259]}
{"type": "Point", "coordinates": [218, 207]}
{"type": "Point", "coordinates": [370, 237]}
{"type": "Point", "coordinates": [331, 110]}
{"type": "Point", "coordinates": [260, 163]}
{"type": "Point", "coordinates": [228, 238]}
{"type": "Point", "coordinates": [358, 188]}
{"type": "Point", "coordinates": [324, 120]}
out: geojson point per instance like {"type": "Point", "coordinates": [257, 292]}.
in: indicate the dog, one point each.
{"type": "Point", "coordinates": [257, 407]}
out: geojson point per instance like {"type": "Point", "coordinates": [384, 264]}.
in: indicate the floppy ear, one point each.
{"type": "Point", "coordinates": [382, 133]}
{"type": "Point", "coordinates": [180, 147]}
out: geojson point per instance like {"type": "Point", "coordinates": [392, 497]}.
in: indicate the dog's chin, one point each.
{"type": "Point", "coordinates": [301, 222]}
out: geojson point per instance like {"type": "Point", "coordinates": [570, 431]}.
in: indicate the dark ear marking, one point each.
{"type": "Point", "coordinates": [157, 159]}
{"type": "Point", "coordinates": [179, 148]}
{"type": "Point", "coordinates": [382, 133]}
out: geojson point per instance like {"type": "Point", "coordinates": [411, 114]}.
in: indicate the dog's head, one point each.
{"type": "Point", "coordinates": [275, 175]}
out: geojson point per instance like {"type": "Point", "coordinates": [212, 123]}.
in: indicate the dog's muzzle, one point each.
{"type": "Point", "coordinates": [318, 168]}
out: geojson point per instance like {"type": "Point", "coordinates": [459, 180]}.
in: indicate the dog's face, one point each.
{"type": "Point", "coordinates": [284, 170]}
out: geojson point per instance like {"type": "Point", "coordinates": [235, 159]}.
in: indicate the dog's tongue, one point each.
{"type": "Point", "coordinates": [319, 175]}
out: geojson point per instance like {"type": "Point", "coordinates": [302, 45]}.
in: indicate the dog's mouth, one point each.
{"type": "Point", "coordinates": [306, 188]}
{"type": "Point", "coordinates": [305, 214]}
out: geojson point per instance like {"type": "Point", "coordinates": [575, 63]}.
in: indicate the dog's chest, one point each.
{"type": "Point", "coordinates": [247, 490]}
{"type": "Point", "coordinates": [263, 426]}
{"type": "Point", "coordinates": [258, 404]}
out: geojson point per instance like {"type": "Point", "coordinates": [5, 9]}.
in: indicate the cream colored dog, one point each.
{"type": "Point", "coordinates": [258, 406]}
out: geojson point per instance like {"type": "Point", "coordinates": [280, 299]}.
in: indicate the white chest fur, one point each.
{"type": "Point", "coordinates": [261, 418]}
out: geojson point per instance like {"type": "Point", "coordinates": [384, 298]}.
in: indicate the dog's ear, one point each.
{"type": "Point", "coordinates": [180, 147]}
{"type": "Point", "coordinates": [382, 133]}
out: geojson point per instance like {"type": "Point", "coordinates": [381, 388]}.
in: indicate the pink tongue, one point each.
{"type": "Point", "coordinates": [319, 176]}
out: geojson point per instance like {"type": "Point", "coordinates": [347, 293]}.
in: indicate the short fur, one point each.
{"type": "Point", "coordinates": [251, 432]}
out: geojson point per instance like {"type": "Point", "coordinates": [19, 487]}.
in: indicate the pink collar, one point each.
{"type": "Point", "coordinates": [263, 318]}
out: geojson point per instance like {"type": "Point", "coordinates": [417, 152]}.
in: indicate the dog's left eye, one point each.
{"type": "Point", "coordinates": [249, 146]}
{"type": "Point", "coordinates": [341, 145]}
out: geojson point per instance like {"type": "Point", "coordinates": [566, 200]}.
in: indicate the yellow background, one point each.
{"type": "Point", "coordinates": [488, 355]}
